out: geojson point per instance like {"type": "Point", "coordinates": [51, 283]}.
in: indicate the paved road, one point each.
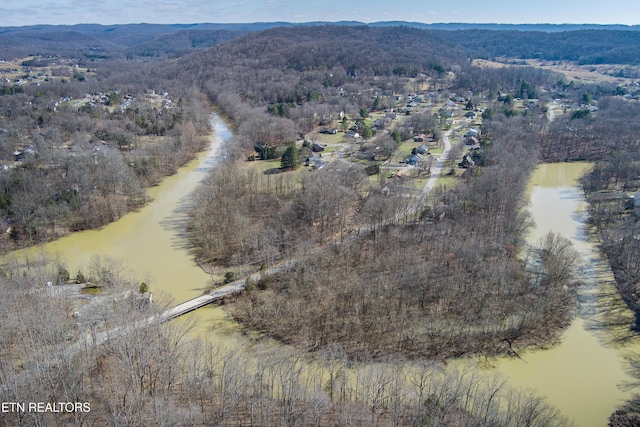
{"type": "Point", "coordinates": [436, 170]}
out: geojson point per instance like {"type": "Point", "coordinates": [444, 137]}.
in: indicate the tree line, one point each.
{"type": "Point", "coordinates": [586, 44]}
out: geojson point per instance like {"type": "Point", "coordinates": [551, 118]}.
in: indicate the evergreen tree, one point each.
{"type": "Point", "coordinates": [290, 158]}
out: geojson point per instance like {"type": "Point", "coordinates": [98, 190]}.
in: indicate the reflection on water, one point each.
{"type": "Point", "coordinates": [584, 376]}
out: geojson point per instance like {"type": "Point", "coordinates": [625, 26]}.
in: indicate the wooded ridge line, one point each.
{"type": "Point", "coordinates": [583, 42]}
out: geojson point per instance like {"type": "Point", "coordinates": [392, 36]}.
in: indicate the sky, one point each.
{"type": "Point", "coordinates": [36, 12]}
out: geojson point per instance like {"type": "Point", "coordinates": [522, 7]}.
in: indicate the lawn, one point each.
{"type": "Point", "coordinates": [263, 165]}
{"type": "Point", "coordinates": [326, 138]}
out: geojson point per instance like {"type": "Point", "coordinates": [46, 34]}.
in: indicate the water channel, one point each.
{"type": "Point", "coordinates": [582, 375]}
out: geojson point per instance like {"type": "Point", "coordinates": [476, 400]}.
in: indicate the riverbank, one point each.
{"type": "Point", "coordinates": [48, 199]}
{"type": "Point", "coordinates": [565, 373]}
{"type": "Point", "coordinates": [149, 241]}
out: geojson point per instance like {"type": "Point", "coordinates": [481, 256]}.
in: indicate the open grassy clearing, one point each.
{"type": "Point", "coordinates": [263, 166]}
{"type": "Point", "coordinates": [585, 73]}
{"type": "Point", "coordinates": [326, 138]}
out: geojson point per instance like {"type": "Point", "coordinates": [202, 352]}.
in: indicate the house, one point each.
{"type": "Point", "coordinates": [472, 132]}
{"type": "Point", "coordinates": [423, 149]}
{"type": "Point", "coordinates": [317, 147]}
{"type": "Point", "coordinates": [329, 131]}
{"type": "Point", "coordinates": [470, 115]}
{"type": "Point", "coordinates": [366, 155]}
{"type": "Point", "coordinates": [352, 134]}
{"type": "Point", "coordinates": [420, 138]}
{"type": "Point", "coordinates": [380, 124]}
{"type": "Point", "coordinates": [467, 162]}
{"type": "Point", "coordinates": [446, 112]}
{"type": "Point", "coordinates": [316, 162]}
{"type": "Point", "coordinates": [472, 140]}
{"type": "Point", "coordinates": [413, 160]}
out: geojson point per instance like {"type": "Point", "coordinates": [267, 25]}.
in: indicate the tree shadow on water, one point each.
{"type": "Point", "coordinates": [609, 318]}
{"type": "Point", "coordinates": [177, 223]}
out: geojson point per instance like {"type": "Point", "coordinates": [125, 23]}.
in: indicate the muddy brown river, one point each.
{"type": "Point", "coordinates": [584, 376]}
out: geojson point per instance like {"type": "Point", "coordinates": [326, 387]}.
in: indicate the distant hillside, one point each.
{"type": "Point", "coordinates": [180, 43]}
{"type": "Point", "coordinates": [93, 41]}
{"type": "Point", "coordinates": [548, 28]}
{"type": "Point", "coordinates": [63, 43]}
{"type": "Point", "coordinates": [582, 46]}
{"type": "Point", "coordinates": [586, 44]}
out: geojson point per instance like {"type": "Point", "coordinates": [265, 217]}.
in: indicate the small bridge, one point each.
{"type": "Point", "coordinates": [219, 293]}
{"type": "Point", "coordinates": [202, 300]}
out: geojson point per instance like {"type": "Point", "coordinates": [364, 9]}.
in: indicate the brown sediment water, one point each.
{"type": "Point", "coordinates": [151, 241]}
{"type": "Point", "coordinates": [584, 376]}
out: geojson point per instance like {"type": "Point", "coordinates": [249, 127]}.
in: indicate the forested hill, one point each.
{"type": "Point", "coordinates": [583, 46]}
{"type": "Point", "coordinates": [382, 51]}
{"type": "Point", "coordinates": [548, 28]}
{"type": "Point", "coordinates": [95, 41]}
{"type": "Point", "coordinates": [587, 44]}
{"type": "Point", "coordinates": [111, 42]}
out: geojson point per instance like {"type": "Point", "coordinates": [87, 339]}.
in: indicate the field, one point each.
{"type": "Point", "coordinates": [605, 73]}
{"type": "Point", "coordinates": [35, 70]}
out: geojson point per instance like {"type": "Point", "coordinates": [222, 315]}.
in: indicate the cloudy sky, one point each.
{"type": "Point", "coordinates": [30, 12]}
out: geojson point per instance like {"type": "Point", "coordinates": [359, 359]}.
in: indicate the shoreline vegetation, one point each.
{"type": "Point", "coordinates": [97, 167]}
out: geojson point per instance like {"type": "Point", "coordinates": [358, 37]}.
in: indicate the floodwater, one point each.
{"type": "Point", "coordinates": [583, 376]}
{"type": "Point", "coordinates": [151, 241]}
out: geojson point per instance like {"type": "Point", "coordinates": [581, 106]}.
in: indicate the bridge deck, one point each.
{"type": "Point", "coordinates": [202, 300]}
